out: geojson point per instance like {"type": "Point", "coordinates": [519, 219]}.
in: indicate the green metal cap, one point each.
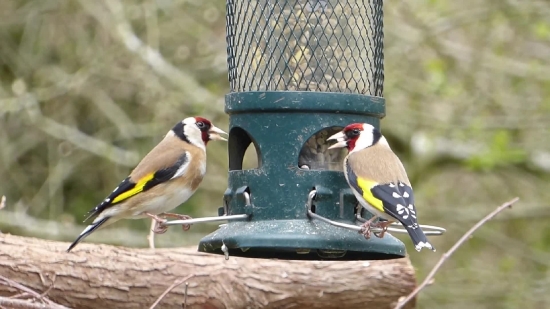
{"type": "Point", "coordinates": [289, 131]}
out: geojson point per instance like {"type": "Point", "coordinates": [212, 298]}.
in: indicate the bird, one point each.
{"type": "Point", "coordinates": [164, 179]}
{"type": "Point", "coordinates": [379, 181]}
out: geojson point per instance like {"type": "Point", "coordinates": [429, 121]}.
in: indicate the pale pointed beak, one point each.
{"type": "Point", "coordinates": [340, 137]}
{"type": "Point", "coordinates": [214, 134]}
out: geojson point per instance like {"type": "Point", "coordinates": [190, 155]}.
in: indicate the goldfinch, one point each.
{"type": "Point", "coordinates": [164, 179]}
{"type": "Point", "coordinates": [379, 181]}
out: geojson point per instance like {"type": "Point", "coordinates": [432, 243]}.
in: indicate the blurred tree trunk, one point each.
{"type": "Point", "coordinates": [101, 276]}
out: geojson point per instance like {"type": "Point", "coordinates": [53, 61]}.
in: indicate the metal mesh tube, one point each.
{"type": "Point", "coordinates": [305, 45]}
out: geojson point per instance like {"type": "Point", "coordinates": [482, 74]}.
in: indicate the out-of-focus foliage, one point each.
{"type": "Point", "coordinates": [468, 91]}
{"type": "Point", "coordinates": [88, 87]}
{"type": "Point", "coordinates": [499, 153]}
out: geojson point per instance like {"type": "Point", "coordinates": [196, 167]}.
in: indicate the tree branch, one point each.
{"type": "Point", "coordinates": [121, 30]}
{"type": "Point", "coordinates": [102, 276]}
{"type": "Point", "coordinates": [72, 135]}
{"type": "Point", "coordinates": [447, 254]}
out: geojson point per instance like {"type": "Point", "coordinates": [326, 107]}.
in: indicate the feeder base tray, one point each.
{"type": "Point", "coordinates": [299, 240]}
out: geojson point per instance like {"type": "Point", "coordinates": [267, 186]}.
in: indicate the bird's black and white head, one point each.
{"type": "Point", "coordinates": [357, 136]}
{"type": "Point", "coordinates": [197, 131]}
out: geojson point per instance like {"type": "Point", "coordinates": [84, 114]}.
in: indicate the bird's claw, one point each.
{"type": "Point", "coordinates": [384, 226]}
{"type": "Point", "coordinates": [365, 230]}
{"type": "Point", "coordinates": [185, 227]}
{"type": "Point", "coordinates": [160, 228]}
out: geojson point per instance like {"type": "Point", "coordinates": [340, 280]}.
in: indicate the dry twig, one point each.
{"type": "Point", "coordinates": [41, 301]}
{"type": "Point", "coordinates": [185, 295]}
{"type": "Point", "coordinates": [18, 286]}
{"type": "Point", "coordinates": [447, 254]}
{"type": "Point", "coordinates": [49, 288]}
{"type": "Point", "coordinates": [170, 288]}
{"type": "Point", "coordinates": [14, 303]}
{"type": "Point", "coordinates": [2, 204]}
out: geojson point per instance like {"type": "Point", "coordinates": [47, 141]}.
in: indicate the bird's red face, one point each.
{"type": "Point", "coordinates": [197, 131]}
{"type": "Point", "coordinates": [352, 133]}
{"type": "Point", "coordinates": [204, 125]}
{"type": "Point", "coordinates": [208, 130]}
{"type": "Point", "coordinates": [347, 137]}
{"type": "Point", "coordinates": [356, 136]}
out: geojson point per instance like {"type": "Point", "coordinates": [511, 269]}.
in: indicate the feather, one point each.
{"type": "Point", "coordinates": [378, 163]}
{"type": "Point", "coordinates": [87, 231]}
{"type": "Point", "coordinates": [125, 186]}
{"type": "Point", "coordinates": [379, 177]}
{"type": "Point", "coordinates": [398, 202]}
{"type": "Point", "coordinates": [363, 187]}
{"type": "Point", "coordinates": [128, 188]}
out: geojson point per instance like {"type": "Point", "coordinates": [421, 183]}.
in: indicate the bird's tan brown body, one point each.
{"type": "Point", "coordinates": [164, 179]}
{"type": "Point", "coordinates": [383, 167]}
{"type": "Point", "coordinates": [167, 152]}
{"type": "Point", "coordinates": [156, 200]}
{"type": "Point", "coordinates": [379, 181]}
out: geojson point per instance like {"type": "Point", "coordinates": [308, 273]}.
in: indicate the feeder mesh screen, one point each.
{"type": "Point", "coordinates": [306, 45]}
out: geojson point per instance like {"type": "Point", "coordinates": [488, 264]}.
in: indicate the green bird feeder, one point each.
{"type": "Point", "coordinates": [299, 71]}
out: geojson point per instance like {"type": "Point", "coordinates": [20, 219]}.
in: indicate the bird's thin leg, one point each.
{"type": "Point", "coordinates": [151, 236]}
{"type": "Point", "coordinates": [384, 226]}
{"type": "Point", "coordinates": [185, 227]}
{"type": "Point", "coordinates": [365, 227]}
{"type": "Point", "coordinates": [358, 209]}
{"type": "Point", "coordinates": [159, 228]}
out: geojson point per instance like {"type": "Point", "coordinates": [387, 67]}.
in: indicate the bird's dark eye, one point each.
{"type": "Point", "coordinates": [201, 125]}
{"type": "Point", "coordinates": [353, 133]}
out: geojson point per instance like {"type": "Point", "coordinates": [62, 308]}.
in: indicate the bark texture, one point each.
{"type": "Point", "coordinates": [101, 276]}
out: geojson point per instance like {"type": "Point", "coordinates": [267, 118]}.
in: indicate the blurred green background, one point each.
{"type": "Point", "coordinates": [89, 87]}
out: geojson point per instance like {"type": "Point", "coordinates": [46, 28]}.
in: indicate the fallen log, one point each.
{"type": "Point", "coordinates": [102, 276]}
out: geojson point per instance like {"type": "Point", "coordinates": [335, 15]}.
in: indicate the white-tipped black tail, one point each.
{"type": "Point", "coordinates": [87, 231]}
{"type": "Point", "coordinates": [418, 237]}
